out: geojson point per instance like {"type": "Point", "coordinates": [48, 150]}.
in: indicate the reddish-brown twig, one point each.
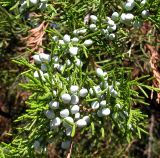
{"type": "Point", "coordinates": [154, 60]}
{"type": "Point", "coordinates": [70, 150]}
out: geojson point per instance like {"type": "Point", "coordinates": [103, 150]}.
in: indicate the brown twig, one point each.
{"type": "Point", "coordinates": [35, 38]}
{"type": "Point", "coordinates": [70, 150]}
{"type": "Point", "coordinates": [154, 60]}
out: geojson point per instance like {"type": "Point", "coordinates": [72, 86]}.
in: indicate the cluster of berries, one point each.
{"type": "Point", "coordinates": [41, 4]}
{"type": "Point", "coordinates": [67, 108]}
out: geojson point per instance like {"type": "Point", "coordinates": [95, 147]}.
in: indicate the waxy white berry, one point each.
{"type": "Point", "coordinates": [66, 38]}
{"type": "Point", "coordinates": [43, 67]}
{"type": "Point", "coordinates": [111, 28]}
{"type": "Point", "coordinates": [54, 92]}
{"type": "Point", "coordinates": [104, 31]}
{"type": "Point", "coordinates": [118, 106]}
{"type": "Point", "coordinates": [55, 38]}
{"type": "Point", "coordinates": [77, 115]}
{"type": "Point", "coordinates": [115, 16]}
{"type": "Point", "coordinates": [106, 111]}
{"type": "Point", "coordinates": [95, 105]}
{"type": "Point", "coordinates": [97, 89]}
{"type": "Point", "coordinates": [93, 18]}
{"type": "Point", "coordinates": [75, 109]}
{"type": "Point", "coordinates": [75, 40]}
{"type": "Point", "coordinates": [145, 13]}
{"type": "Point", "coordinates": [61, 42]}
{"type": "Point", "coordinates": [99, 72]}
{"type": "Point", "coordinates": [87, 119]}
{"type": "Point", "coordinates": [78, 62]}
{"type": "Point", "coordinates": [110, 22]}
{"type": "Point", "coordinates": [83, 92]}
{"type": "Point", "coordinates": [68, 63]}
{"type": "Point", "coordinates": [88, 42]}
{"type": "Point", "coordinates": [105, 75]}
{"type": "Point", "coordinates": [143, 2]}
{"type": "Point", "coordinates": [123, 17]}
{"type": "Point", "coordinates": [74, 89]}
{"type": "Point", "coordinates": [129, 6]}
{"type": "Point", "coordinates": [112, 36]}
{"type": "Point", "coordinates": [36, 58]}
{"type": "Point", "coordinates": [55, 122]}
{"type": "Point", "coordinates": [75, 32]}
{"type": "Point", "coordinates": [129, 17]}
{"type": "Point", "coordinates": [54, 104]}
{"type": "Point", "coordinates": [82, 31]}
{"type": "Point", "coordinates": [64, 113]}
{"type": "Point", "coordinates": [93, 27]}
{"type": "Point", "coordinates": [49, 114]}
{"type": "Point", "coordinates": [43, 1]}
{"type": "Point", "coordinates": [36, 74]}
{"type": "Point", "coordinates": [74, 99]}
{"type": "Point", "coordinates": [44, 57]}
{"type": "Point", "coordinates": [73, 51]}
{"type": "Point", "coordinates": [56, 65]}
{"type": "Point", "coordinates": [114, 93]}
{"type": "Point", "coordinates": [66, 98]}
{"type": "Point", "coordinates": [68, 131]}
{"type": "Point", "coordinates": [91, 92]}
{"type": "Point", "coordinates": [131, 1]}
{"type": "Point", "coordinates": [103, 103]}
{"type": "Point", "coordinates": [56, 59]}
{"type": "Point", "coordinates": [33, 1]}
{"type": "Point", "coordinates": [60, 68]}
{"type": "Point", "coordinates": [81, 123]}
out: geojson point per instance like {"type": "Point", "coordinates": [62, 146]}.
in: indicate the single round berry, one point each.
{"type": "Point", "coordinates": [95, 105]}
{"type": "Point", "coordinates": [106, 111]}
{"type": "Point", "coordinates": [49, 114]}
{"type": "Point", "coordinates": [66, 38]}
{"type": "Point", "coordinates": [83, 92]}
{"type": "Point", "coordinates": [115, 16]}
{"type": "Point", "coordinates": [74, 99]}
{"type": "Point", "coordinates": [64, 113]}
{"type": "Point", "coordinates": [54, 104]}
{"type": "Point", "coordinates": [93, 18]}
{"type": "Point", "coordinates": [99, 72]}
{"type": "Point", "coordinates": [44, 57]}
{"type": "Point", "coordinates": [87, 119]}
{"type": "Point", "coordinates": [75, 40]}
{"type": "Point", "coordinates": [81, 123]}
{"type": "Point", "coordinates": [66, 98]}
{"type": "Point", "coordinates": [36, 58]}
{"type": "Point", "coordinates": [73, 51]}
{"type": "Point", "coordinates": [88, 42]}
{"type": "Point", "coordinates": [145, 13]}
{"type": "Point", "coordinates": [55, 122]}
{"type": "Point", "coordinates": [75, 109]}
{"type": "Point", "coordinates": [74, 89]}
